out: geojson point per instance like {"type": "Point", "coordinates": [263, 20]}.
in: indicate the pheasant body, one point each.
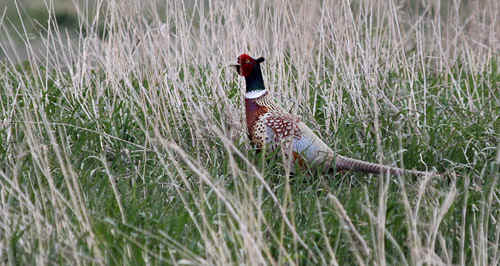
{"type": "Point", "coordinates": [270, 126]}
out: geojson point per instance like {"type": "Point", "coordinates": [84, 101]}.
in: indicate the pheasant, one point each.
{"type": "Point", "coordinates": [270, 126]}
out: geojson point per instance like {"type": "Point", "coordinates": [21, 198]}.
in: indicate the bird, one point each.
{"type": "Point", "coordinates": [270, 126]}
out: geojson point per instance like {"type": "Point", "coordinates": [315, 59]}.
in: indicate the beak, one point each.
{"type": "Point", "coordinates": [236, 66]}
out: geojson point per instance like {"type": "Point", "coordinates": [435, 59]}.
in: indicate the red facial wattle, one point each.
{"type": "Point", "coordinates": [246, 69]}
{"type": "Point", "coordinates": [247, 64]}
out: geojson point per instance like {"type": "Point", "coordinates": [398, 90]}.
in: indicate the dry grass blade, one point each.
{"type": "Point", "coordinates": [359, 246]}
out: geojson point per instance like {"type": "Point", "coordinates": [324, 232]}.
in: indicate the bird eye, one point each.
{"type": "Point", "coordinates": [247, 61]}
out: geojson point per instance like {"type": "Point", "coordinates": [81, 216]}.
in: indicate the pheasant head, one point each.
{"type": "Point", "coordinates": [249, 68]}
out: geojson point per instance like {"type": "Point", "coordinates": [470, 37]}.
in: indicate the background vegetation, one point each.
{"type": "Point", "coordinates": [122, 136]}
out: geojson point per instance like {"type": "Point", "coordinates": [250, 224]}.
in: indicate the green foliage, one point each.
{"type": "Point", "coordinates": [150, 204]}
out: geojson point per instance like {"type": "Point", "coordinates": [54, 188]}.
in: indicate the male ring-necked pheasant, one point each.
{"type": "Point", "coordinates": [269, 125]}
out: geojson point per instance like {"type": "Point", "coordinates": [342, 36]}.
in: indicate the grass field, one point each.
{"type": "Point", "coordinates": [123, 141]}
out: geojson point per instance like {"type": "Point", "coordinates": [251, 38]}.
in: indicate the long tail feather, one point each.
{"type": "Point", "coordinates": [345, 163]}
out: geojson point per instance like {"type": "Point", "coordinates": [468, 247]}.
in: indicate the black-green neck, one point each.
{"type": "Point", "coordinates": [254, 81]}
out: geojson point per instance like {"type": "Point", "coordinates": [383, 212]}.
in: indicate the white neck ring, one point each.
{"type": "Point", "coordinates": [254, 94]}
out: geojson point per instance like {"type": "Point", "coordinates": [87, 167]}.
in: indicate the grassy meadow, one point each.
{"type": "Point", "coordinates": [123, 137]}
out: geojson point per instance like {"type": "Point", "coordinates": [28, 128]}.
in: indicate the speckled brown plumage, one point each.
{"type": "Point", "coordinates": [253, 113]}
{"type": "Point", "coordinates": [266, 124]}
{"type": "Point", "coordinates": [283, 126]}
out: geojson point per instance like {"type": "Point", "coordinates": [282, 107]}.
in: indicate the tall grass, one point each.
{"type": "Point", "coordinates": [124, 142]}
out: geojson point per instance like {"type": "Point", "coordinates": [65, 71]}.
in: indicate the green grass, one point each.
{"type": "Point", "coordinates": [151, 205]}
{"type": "Point", "coordinates": [143, 159]}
